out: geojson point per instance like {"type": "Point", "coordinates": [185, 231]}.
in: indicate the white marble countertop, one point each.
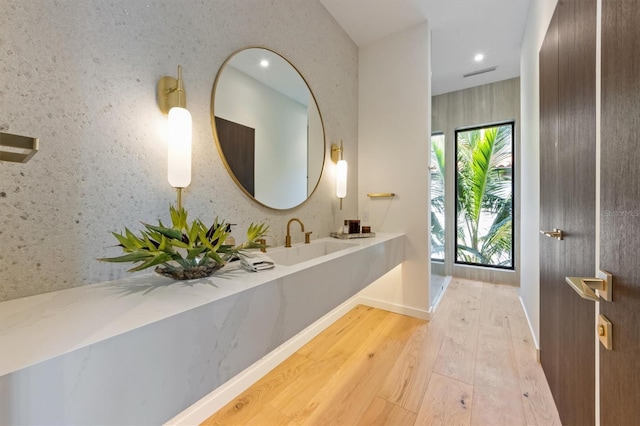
{"type": "Point", "coordinates": [37, 328]}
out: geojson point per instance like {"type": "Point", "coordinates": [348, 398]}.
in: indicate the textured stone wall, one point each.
{"type": "Point", "coordinates": [81, 76]}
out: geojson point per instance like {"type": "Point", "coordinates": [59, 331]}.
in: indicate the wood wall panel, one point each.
{"type": "Point", "coordinates": [489, 103]}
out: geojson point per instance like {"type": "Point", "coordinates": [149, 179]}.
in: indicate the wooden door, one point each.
{"type": "Point", "coordinates": [577, 160]}
{"type": "Point", "coordinates": [239, 147]}
{"type": "Point", "coordinates": [620, 210]}
{"type": "Point", "coordinates": [568, 203]}
{"type": "Point", "coordinates": [549, 208]}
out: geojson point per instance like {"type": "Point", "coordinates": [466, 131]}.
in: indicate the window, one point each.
{"type": "Point", "coordinates": [436, 169]}
{"type": "Point", "coordinates": [484, 196]}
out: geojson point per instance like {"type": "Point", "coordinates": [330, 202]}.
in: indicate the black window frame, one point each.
{"type": "Point", "coordinates": [513, 193]}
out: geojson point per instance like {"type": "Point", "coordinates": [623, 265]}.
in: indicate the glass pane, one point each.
{"type": "Point", "coordinates": [484, 196]}
{"type": "Point", "coordinates": [437, 196]}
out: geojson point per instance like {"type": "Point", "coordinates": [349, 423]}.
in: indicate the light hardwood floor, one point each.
{"type": "Point", "coordinates": [473, 363]}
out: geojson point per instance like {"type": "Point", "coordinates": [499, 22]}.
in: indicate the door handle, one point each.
{"type": "Point", "coordinates": [586, 287]}
{"type": "Point", "coordinates": [556, 233]}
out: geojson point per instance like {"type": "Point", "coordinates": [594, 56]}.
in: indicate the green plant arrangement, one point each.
{"type": "Point", "coordinates": [185, 250]}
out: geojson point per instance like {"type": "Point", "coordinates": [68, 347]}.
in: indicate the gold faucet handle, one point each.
{"type": "Point", "coordinates": [307, 237]}
{"type": "Point", "coordinates": [263, 243]}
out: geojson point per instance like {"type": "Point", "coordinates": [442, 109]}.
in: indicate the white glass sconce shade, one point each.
{"type": "Point", "coordinates": [179, 152]}
{"type": "Point", "coordinates": [341, 179]}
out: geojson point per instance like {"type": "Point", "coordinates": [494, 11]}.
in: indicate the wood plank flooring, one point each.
{"type": "Point", "coordinates": [474, 363]}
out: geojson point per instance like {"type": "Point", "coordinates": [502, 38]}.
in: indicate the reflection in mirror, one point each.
{"type": "Point", "coordinates": [268, 128]}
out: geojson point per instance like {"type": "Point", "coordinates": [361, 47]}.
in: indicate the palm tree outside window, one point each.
{"type": "Point", "coordinates": [484, 196]}
{"type": "Point", "coordinates": [436, 169]}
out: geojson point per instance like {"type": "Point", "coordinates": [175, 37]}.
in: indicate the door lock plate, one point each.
{"type": "Point", "coordinates": [605, 332]}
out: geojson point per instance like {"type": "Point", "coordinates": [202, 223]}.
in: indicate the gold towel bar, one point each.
{"type": "Point", "coordinates": [381, 195]}
{"type": "Point", "coordinates": [20, 148]}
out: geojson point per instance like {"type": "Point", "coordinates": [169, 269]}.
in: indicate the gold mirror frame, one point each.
{"type": "Point", "coordinates": [219, 145]}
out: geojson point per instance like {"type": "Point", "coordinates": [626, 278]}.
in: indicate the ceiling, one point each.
{"type": "Point", "coordinates": [460, 30]}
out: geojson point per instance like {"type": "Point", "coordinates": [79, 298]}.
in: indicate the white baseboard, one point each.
{"type": "Point", "coordinates": [533, 335]}
{"type": "Point", "coordinates": [221, 396]}
{"type": "Point", "coordinates": [392, 307]}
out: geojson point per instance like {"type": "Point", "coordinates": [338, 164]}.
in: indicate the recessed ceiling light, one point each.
{"type": "Point", "coordinates": [479, 57]}
{"type": "Point", "coordinates": [264, 63]}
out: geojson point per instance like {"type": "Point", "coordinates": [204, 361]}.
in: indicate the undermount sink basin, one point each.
{"type": "Point", "coordinates": [303, 252]}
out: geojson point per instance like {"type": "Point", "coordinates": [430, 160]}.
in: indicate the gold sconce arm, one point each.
{"type": "Point", "coordinates": [171, 92]}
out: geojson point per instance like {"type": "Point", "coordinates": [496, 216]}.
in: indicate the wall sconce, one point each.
{"type": "Point", "coordinates": [172, 101]}
{"type": "Point", "coordinates": [341, 171]}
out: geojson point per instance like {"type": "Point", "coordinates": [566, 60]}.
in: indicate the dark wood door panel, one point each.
{"type": "Point", "coordinates": [577, 159]}
{"type": "Point", "coordinates": [567, 143]}
{"type": "Point", "coordinates": [620, 210]}
{"type": "Point", "coordinates": [549, 208]}
{"type": "Point", "coordinates": [576, 132]}
{"type": "Point", "coordinates": [238, 144]}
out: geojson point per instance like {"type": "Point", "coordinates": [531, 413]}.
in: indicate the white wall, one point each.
{"type": "Point", "coordinates": [393, 151]}
{"type": "Point", "coordinates": [540, 13]}
{"type": "Point", "coordinates": [82, 75]}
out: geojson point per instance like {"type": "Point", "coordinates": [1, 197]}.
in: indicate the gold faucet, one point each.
{"type": "Point", "coordinates": [287, 240]}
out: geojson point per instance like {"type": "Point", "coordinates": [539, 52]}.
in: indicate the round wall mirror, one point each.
{"type": "Point", "coordinates": [268, 128]}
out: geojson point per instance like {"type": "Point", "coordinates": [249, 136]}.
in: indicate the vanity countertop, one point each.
{"type": "Point", "coordinates": [37, 328]}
